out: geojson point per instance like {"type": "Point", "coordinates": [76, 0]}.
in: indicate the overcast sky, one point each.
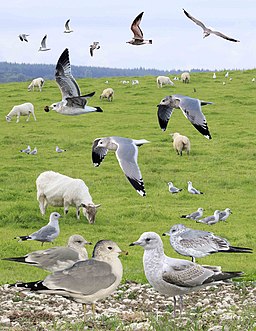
{"type": "Point", "coordinates": [177, 42]}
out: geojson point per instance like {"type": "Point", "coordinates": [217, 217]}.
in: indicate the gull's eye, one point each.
{"type": "Point", "coordinates": [148, 240]}
{"type": "Point", "coordinates": [79, 241]}
{"type": "Point", "coordinates": [109, 247]}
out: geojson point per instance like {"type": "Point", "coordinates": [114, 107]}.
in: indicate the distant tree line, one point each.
{"type": "Point", "coordinates": [20, 72]}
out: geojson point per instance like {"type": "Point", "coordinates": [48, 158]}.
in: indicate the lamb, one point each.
{"type": "Point", "coordinates": [180, 143]}
{"type": "Point", "coordinates": [56, 189]}
{"type": "Point", "coordinates": [108, 93]}
{"type": "Point", "coordinates": [163, 80]}
{"type": "Point", "coordinates": [21, 110]}
{"type": "Point", "coordinates": [37, 82]}
{"type": "Point", "coordinates": [185, 77]}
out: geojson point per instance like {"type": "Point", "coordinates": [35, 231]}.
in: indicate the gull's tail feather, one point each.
{"type": "Point", "coordinates": [31, 286]}
{"type": "Point", "coordinates": [233, 249]}
{"type": "Point", "coordinates": [23, 238]}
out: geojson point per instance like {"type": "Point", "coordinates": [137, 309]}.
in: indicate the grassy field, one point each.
{"type": "Point", "coordinates": [223, 168]}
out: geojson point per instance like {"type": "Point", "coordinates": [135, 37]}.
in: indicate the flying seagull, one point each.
{"type": "Point", "coordinates": [93, 46]}
{"type": "Point", "coordinates": [43, 45]}
{"type": "Point", "coordinates": [193, 190]}
{"type": "Point", "coordinates": [195, 215]}
{"type": "Point", "coordinates": [126, 150]}
{"type": "Point", "coordinates": [73, 103]}
{"type": "Point", "coordinates": [138, 34]}
{"type": "Point", "coordinates": [67, 28]}
{"type": "Point", "coordinates": [208, 31]}
{"type": "Point", "coordinates": [173, 189]}
{"type": "Point", "coordinates": [197, 243]}
{"type": "Point", "coordinates": [191, 109]}
{"type": "Point", "coordinates": [23, 37]}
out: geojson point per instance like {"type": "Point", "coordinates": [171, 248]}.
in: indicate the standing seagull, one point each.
{"type": "Point", "coordinates": [197, 243]}
{"type": "Point", "coordinates": [126, 150]}
{"type": "Point", "coordinates": [67, 28]}
{"type": "Point", "coordinates": [47, 233]}
{"type": "Point", "coordinates": [34, 152]}
{"type": "Point", "coordinates": [210, 220]}
{"type": "Point", "coordinates": [73, 103]}
{"type": "Point", "coordinates": [173, 189]}
{"type": "Point", "coordinates": [208, 31]}
{"type": "Point", "coordinates": [191, 109]}
{"type": "Point", "coordinates": [23, 37]}
{"type": "Point", "coordinates": [193, 190]}
{"type": "Point", "coordinates": [224, 214]}
{"type": "Point", "coordinates": [138, 34]}
{"type": "Point", "coordinates": [93, 46]}
{"type": "Point", "coordinates": [175, 277]}
{"type": "Point", "coordinates": [59, 150]}
{"type": "Point", "coordinates": [195, 215]}
{"type": "Point", "coordinates": [26, 150]}
{"type": "Point", "coordinates": [43, 45]}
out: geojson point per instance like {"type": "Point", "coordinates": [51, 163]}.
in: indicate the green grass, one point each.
{"type": "Point", "coordinates": [223, 168]}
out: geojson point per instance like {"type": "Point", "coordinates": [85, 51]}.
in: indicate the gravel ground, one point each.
{"type": "Point", "coordinates": [133, 307]}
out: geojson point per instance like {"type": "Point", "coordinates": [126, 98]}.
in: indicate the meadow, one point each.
{"type": "Point", "coordinates": [223, 168]}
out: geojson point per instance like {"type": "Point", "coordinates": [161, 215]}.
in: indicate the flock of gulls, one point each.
{"type": "Point", "coordinates": [85, 280]}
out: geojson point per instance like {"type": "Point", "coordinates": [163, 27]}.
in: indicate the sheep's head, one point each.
{"type": "Point", "coordinates": [8, 118]}
{"type": "Point", "coordinates": [90, 211]}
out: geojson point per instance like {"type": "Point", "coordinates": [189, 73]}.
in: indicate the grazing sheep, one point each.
{"type": "Point", "coordinates": [21, 110]}
{"type": "Point", "coordinates": [163, 80]}
{"type": "Point", "coordinates": [37, 82]}
{"type": "Point", "coordinates": [185, 77]}
{"type": "Point", "coordinates": [180, 143]}
{"type": "Point", "coordinates": [108, 93]}
{"type": "Point", "coordinates": [56, 189]}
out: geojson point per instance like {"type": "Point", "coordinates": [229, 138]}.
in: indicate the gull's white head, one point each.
{"type": "Point", "coordinates": [175, 230]}
{"type": "Point", "coordinates": [149, 240]}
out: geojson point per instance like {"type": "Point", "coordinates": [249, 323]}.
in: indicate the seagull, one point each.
{"type": "Point", "coordinates": [67, 28]}
{"type": "Point", "coordinates": [23, 37]}
{"type": "Point", "coordinates": [26, 150]}
{"type": "Point", "coordinates": [86, 281]}
{"type": "Point", "coordinates": [195, 215]}
{"type": "Point", "coordinates": [191, 109]}
{"type": "Point", "coordinates": [126, 150]}
{"type": "Point", "coordinates": [208, 31]}
{"type": "Point", "coordinates": [214, 75]}
{"type": "Point", "coordinates": [34, 152]}
{"type": "Point", "coordinates": [196, 243]}
{"type": "Point", "coordinates": [224, 214]}
{"type": "Point", "coordinates": [210, 220]}
{"type": "Point", "coordinates": [93, 46]}
{"type": "Point", "coordinates": [59, 150]}
{"type": "Point", "coordinates": [227, 74]}
{"type": "Point", "coordinates": [193, 190]}
{"type": "Point", "coordinates": [47, 233]}
{"type": "Point", "coordinates": [173, 189]}
{"type": "Point", "coordinates": [175, 277]}
{"type": "Point", "coordinates": [56, 258]}
{"type": "Point", "coordinates": [73, 103]}
{"type": "Point", "coordinates": [138, 34]}
{"type": "Point", "coordinates": [43, 45]}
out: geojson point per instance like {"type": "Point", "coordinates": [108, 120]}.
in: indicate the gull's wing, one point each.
{"type": "Point", "coordinates": [207, 219]}
{"type": "Point", "coordinates": [217, 33]}
{"type": "Point", "coordinates": [201, 24]}
{"type": "Point", "coordinates": [67, 25]}
{"type": "Point", "coordinates": [164, 112]}
{"type": "Point", "coordinates": [21, 37]}
{"type": "Point", "coordinates": [78, 102]}
{"type": "Point", "coordinates": [194, 215]}
{"type": "Point", "coordinates": [64, 78]}
{"type": "Point", "coordinates": [43, 42]}
{"type": "Point", "coordinates": [191, 108]}
{"type": "Point", "coordinates": [98, 153]}
{"type": "Point", "coordinates": [91, 50]}
{"type": "Point", "coordinates": [138, 34]}
{"type": "Point", "coordinates": [45, 233]}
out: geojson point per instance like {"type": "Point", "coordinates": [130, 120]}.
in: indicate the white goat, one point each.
{"type": "Point", "coordinates": [180, 143]}
{"type": "Point", "coordinates": [185, 77]}
{"type": "Point", "coordinates": [108, 93]}
{"type": "Point", "coordinates": [56, 189]}
{"type": "Point", "coordinates": [21, 110]}
{"type": "Point", "coordinates": [163, 80]}
{"type": "Point", "coordinates": [37, 82]}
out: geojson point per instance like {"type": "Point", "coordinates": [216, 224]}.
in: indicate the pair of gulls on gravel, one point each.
{"type": "Point", "coordinates": [218, 216]}
{"type": "Point", "coordinates": [173, 189]}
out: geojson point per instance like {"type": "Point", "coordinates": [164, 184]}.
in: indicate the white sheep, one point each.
{"type": "Point", "coordinates": [108, 93]}
{"type": "Point", "coordinates": [25, 109]}
{"type": "Point", "coordinates": [37, 82]}
{"type": "Point", "coordinates": [163, 80]}
{"type": "Point", "coordinates": [56, 189]}
{"type": "Point", "coordinates": [185, 77]}
{"type": "Point", "coordinates": [180, 143]}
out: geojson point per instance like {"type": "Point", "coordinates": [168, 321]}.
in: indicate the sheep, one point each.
{"type": "Point", "coordinates": [135, 82]}
{"type": "Point", "coordinates": [185, 77]}
{"type": "Point", "coordinates": [163, 80]}
{"type": "Point", "coordinates": [21, 110]}
{"type": "Point", "coordinates": [56, 189]}
{"type": "Point", "coordinates": [37, 82]}
{"type": "Point", "coordinates": [108, 93]}
{"type": "Point", "coordinates": [180, 143]}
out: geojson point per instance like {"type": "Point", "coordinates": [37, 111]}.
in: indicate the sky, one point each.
{"type": "Point", "coordinates": [177, 42]}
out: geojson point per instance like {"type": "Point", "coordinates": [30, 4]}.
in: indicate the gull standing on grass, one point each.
{"type": "Point", "coordinates": [73, 103]}
{"type": "Point", "coordinates": [224, 214]}
{"type": "Point", "coordinates": [26, 150]}
{"type": "Point", "coordinates": [60, 150]}
{"type": "Point", "coordinates": [193, 190]}
{"type": "Point", "coordinates": [43, 47]}
{"type": "Point", "coordinates": [126, 150]}
{"type": "Point", "coordinates": [173, 189]}
{"type": "Point", "coordinates": [175, 277]}
{"type": "Point", "coordinates": [47, 233]}
{"type": "Point", "coordinates": [138, 38]}
{"type": "Point", "coordinates": [197, 243]}
{"type": "Point", "coordinates": [67, 27]}
{"type": "Point", "coordinates": [210, 220]}
{"type": "Point", "coordinates": [34, 152]}
{"type": "Point", "coordinates": [56, 258]}
{"type": "Point", "coordinates": [195, 215]}
{"type": "Point", "coordinates": [208, 31]}
{"type": "Point", "coordinates": [86, 281]}
{"type": "Point", "coordinates": [191, 109]}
